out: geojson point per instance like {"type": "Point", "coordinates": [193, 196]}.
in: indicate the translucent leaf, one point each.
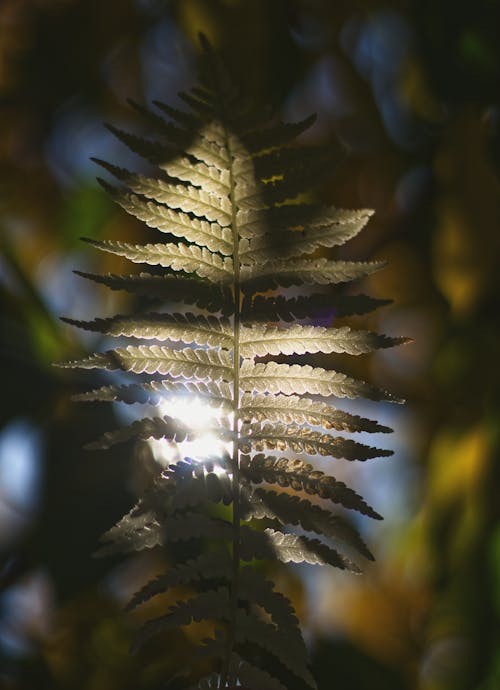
{"type": "Point", "coordinates": [150, 427]}
{"type": "Point", "coordinates": [254, 587]}
{"type": "Point", "coordinates": [201, 203]}
{"type": "Point", "coordinates": [276, 135]}
{"type": "Point", "coordinates": [301, 476]}
{"type": "Point", "coordinates": [186, 328]}
{"type": "Point", "coordinates": [251, 676]}
{"type": "Point", "coordinates": [259, 340]}
{"type": "Point", "coordinates": [253, 630]}
{"type": "Point", "coordinates": [291, 408]}
{"type": "Point", "coordinates": [307, 306]}
{"type": "Point", "coordinates": [292, 510]}
{"type": "Point", "coordinates": [209, 177]}
{"type": "Point", "coordinates": [287, 244]}
{"type": "Point", "coordinates": [216, 394]}
{"type": "Point", "coordinates": [159, 359]}
{"type": "Point", "coordinates": [205, 606]}
{"type": "Point", "coordinates": [172, 288]}
{"type": "Point", "coordinates": [140, 530]}
{"type": "Point", "coordinates": [285, 437]}
{"type": "Point", "coordinates": [293, 548]}
{"type": "Point", "coordinates": [178, 257]}
{"type": "Point", "coordinates": [160, 217]}
{"type": "Point", "coordinates": [207, 566]}
{"type": "Point", "coordinates": [283, 272]}
{"type": "Point", "coordinates": [295, 378]}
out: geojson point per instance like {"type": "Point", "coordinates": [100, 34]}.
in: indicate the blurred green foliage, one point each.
{"type": "Point", "coordinates": [409, 93]}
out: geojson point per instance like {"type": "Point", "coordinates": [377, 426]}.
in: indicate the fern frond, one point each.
{"type": "Point", "coordinates": [150, 427]}
{"type": "Point", "coordinates": [185, 328]}
{"type": "Point", "coordinates": [200, 232]}
{"type": "Point", "coordinates": [293, 510]}
{"type": "Point", "coordinates": [276, 135]}
{"type": "Point", "coordinates": [152, 150]}
{"type": "Point", "coordinates": [209, 177]}
{"type": "Point", "coordinates": [259, 341]}
{"type": "Point", "coordinates": [139, 531]}
{"type": "Point", "coordinates": [205, 606]}
{"type": "Point", "coordinates": [179, 257]}
{"type": "Point", "coordinates": [213, 365]}
{"type": "Point", "coordinates": [207, 296]}
{"type": "Point", "coordinates": [295, 378]}
{"type": "Point", "coordinates": [292, 548]}
{"type": "Point", "coordinates": [266, 636]}
{"type": "Point", "coordinates": [226, 191]}
{"type": "Point", "coordinates": [215, 394]}
{"type": "Point", "coordinates": [251, 676]}
{"type": "Point", "coordinates": [285, 437]}
{"type": "Point", "coordinates": [301, 476]}
{"type": "Point", "coordinates": [292, 243]}
{"type": "Point", "coordinates": [291, 408]}
{"type": "Point", "coordinates": [190, 199]}
{"type": "Point", "coordinates": [306, 306]}
{"type": "Point", "coordinates": [207, 566]}
{"type": "Point", "coordinates": [283, 273]}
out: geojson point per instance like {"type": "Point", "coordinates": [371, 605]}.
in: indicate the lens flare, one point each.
{"type": "Point", "coordinates": [200, 417]}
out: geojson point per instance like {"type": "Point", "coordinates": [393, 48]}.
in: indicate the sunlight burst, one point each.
{"type": "Point", "coordinates": [202, 418]}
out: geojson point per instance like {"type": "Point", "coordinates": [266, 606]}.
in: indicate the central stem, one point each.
{"type": "Point", "coordinates": [235, 464]}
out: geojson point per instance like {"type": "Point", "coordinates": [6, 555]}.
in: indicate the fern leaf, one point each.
{"type": "Point", "coordinates": [301, 476]}
{"type": "Point", "coordinates": [140, 530]}
{"type": "Point", "coordinates": [215, 394]}
{"type": "Point", "coordinates": [288, 244]}
{"type": "Point", "coordinates": [178, 257]}
{"type": "Point", "coordinates": [201, 203]}
{"type": "Point", "coordinates": [293, 548]}
{"type": "Point", "coordinates": [155, 359]}
{"type": "Point", "coordinates": [285, 437]}
{"type": "Point", "coordinates": [251, 676]}
{"type": "Point", "coordinates": [214, 298]}
{"type": "Point", "coordinates": [204, 150]}
{"type": "Point", "coordinates": [307, 271]}
{"type": "Point", "coordinates": [291, 408]}
{"type": "Point", "coordinates": [207, 566]}
{"type": "Point", "coordinates": [150, 427]}
{"type": "Point", "coordinates": [301, 307]}
{"type": "Point", "coordinates": [228, 186]}
{"type": "Point", "coordinates": [276, 135]}
{"type": "Point", "coordinates": [205, 606]}
{"type": "Point", "coordinates": [258, 341]}
{"type": "Point", "coordinates": [187, 120]}
{"type": "Point", "coordinates": [295, 216]}
{"type": "Point", "coordinates": [152, 150]}
{"type": "Point", "coordinates": [160, 217]}
{"type": "Point", "coordinates": [209, 177]}
{"type": "Point", "coordinates": [185, 328]}
{"type": "Point", "coordinates": [256, 588]}
{"type": "Point", "coordinates": [252, 629]}
{"type": "Point", "coordinates": [292, 510]}
{"type": "Point", "coordinates": [295, 378]}
{"type": "Point", "coordinates": [168, 131]}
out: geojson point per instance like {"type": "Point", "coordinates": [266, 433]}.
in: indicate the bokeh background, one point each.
{"type": "Point", "coordinates": [409, 94]}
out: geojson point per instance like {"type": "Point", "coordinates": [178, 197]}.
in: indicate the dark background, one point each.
{"type": "Point", "coordinates": [409, 93]}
